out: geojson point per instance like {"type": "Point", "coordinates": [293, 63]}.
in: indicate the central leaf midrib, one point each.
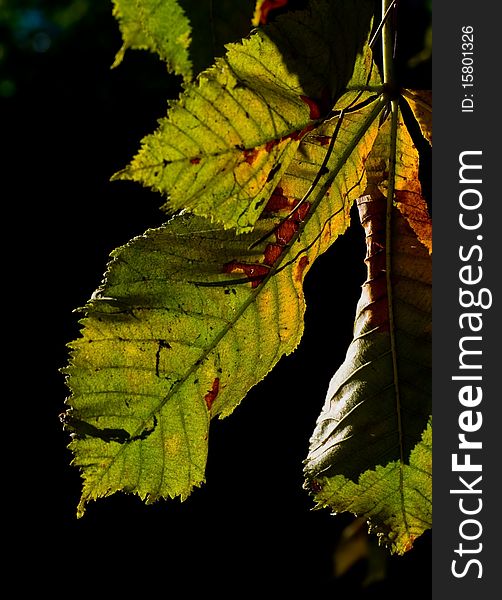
{"type": "Point", "coordinates": [390, 304]}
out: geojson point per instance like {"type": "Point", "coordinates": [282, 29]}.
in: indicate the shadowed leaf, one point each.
{"type": "Point", "coordinates": [263, 9]}
{"type": "Point", "coordinates": [420, 102]}
{"type": "Point", "coordinates": [215, 23]}
{"type": "Point", "coordinates": [379, 400]}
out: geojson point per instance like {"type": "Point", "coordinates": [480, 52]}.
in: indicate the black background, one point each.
{"type": "Point", "coordinates": [67, 124]}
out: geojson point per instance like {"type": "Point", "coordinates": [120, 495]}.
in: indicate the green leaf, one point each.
{"type": "Point", "coordinates": [379, 400]}
{"type": "Point", "coordinates": [190, 316]}
{"type": "Point", "coordinates": [159, 26]}
{"type": "Point", "coordinates": [396, 498]}
{"type": "Point", "coordinates": [186, 34]}
{"type": "Point", "coordinates": [228, 140]}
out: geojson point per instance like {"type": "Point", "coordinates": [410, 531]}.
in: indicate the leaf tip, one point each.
{"type": "Point", "coordinates": [119, 57]}
{"type": "Point", "coordinates": [81, 507]}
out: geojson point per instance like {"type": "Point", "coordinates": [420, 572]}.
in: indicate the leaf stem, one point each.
{"type": "Point", "coordinates": [390, 85]}
{"type": "Point", "coordinates": [385, 13]}
{"type": "Point", "coordinates": [388, 254]}
{"type": "Point", "coordinates": [387, 45]}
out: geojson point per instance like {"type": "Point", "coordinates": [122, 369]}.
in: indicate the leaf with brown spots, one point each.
{"type": "Point", "coordinates": [379, 401]}
{"type": "Point", "coordinates": [261, 159]}
{"type": "Point", "coordinates": [264, 8]}
{"type": "Point", "coordinates": [225, 144]}
{"type": "Point", "coordinates": [210, 397]}
{"type": "Point", "coordinates": [196, 316]}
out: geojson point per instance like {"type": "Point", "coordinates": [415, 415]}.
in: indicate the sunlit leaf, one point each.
{"type": "Point", "coordinates": [190, 316]}
{"type": "Point", "coordinates": [261, 159]}
{"type": "Point", "coordinates": [225, 144]}
{"type": "Point", "coordinates": [186, 34]}
{"type": "Point", "coordinates": [161, 27]}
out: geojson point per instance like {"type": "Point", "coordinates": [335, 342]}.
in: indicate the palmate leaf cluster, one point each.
{"type": "Point", "coordinates": [258, 163]}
